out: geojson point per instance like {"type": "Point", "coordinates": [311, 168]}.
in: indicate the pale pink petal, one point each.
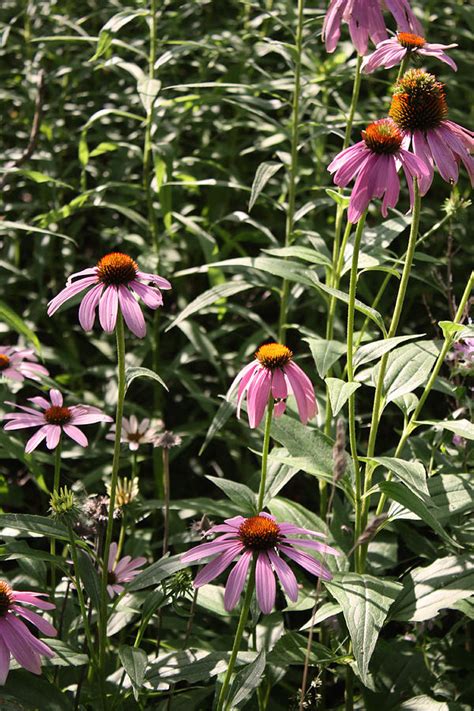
{"type": "Point", "coordinates": [150, 295]}
{"type": "Point", "coordinates": [132, 312]}
{"type": "Point", "coordinates": [40, 402]}
{"type": "Point", "coordinates": [37, 438]}
{"type": "Point", "coordinates": [279, 408]}
{"type": "Point", "coordinates": [307, 562]}
{"type": "Point", "coordinates": [43, 625]}
{"type": "Point", "coordinates": [84, 272]}
{"type": "Point", "coordinates": [53, 435]}
{"type": "Point", "coordinates": [285, 575]}
{"type": "Point", "coordinates": [88, 307]}
{"type": "Point", "coordinates": [217, 566]}
{"type": "Point", "coordinates": [108, 306]}
{"type": "Point", "coordinates": [236, 581]}
{"type": "Point", "coordinates": [33, 598]}
{"type": "Point", "coordinates": [4, 660]}
{"type": "Point", "coordinates": [316, 545]}
{"type": "Point", "coordinates": [75, 434]}
{"type": "Point", "coordinates": [206, 549]}
{"type": "Point", "coordinates": [257, 397]}
{"type": "Point", "coordinates": [279, 385]}
{"type": "Point", "coordinates": [160, 281]}
{"type": "Point", "coordinates": [265, 583]}
{"type": "Point", "coordinates": [443, 157]}
{"type": "Point", "coordinates": [68, 293]}
{"type": "Point", "coordinates": [16, 635]}
{"type": "Point", "coordinates": [56, 397]}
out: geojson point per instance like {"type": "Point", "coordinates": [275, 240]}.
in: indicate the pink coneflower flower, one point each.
{"type": "Point", "coordinates": [121, 571]}
{"type": "Point", "coordinates": [261, 536]}
{"type": "Point", "coordinates": [374, 163]}
{"type": "Point", "coordinates": [53, 419]}
{"type": "Point", "coordinates": [20, 363]}
{"type": "Point", "coordinates": [114, 280]}
{"type": "Point", "coordinates": [392, 51]}
{"type": "Point", "coordinates": [420, 110]}
{"type": "Point", "coordinates": [136, 433]}
{"type": "Point", "coordinates": [15, 637]}
{"type": "Point", "coordinates": [273, 372]}
{"type": "Point", "coordinates": [365, 19]}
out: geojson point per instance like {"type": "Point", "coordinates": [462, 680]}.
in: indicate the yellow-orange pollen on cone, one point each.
{"type": "Point", "coordinates": [419, 102]}
{"type": "Point", "coordinates": [6, 598]}
{"type": "Point", "coordinates": [259, 533]}
{"type": "Point", "coordinates": [273, 355]}
{"type": "Point", "coordinates": [56, 415]}
{"type": "Point", "coordinates": [4, 361]}
{"type": "Point", "coordinates": [382, 137]}
{"type": "Point", "coordinates": [410, 41]}
{"type": "Point", "coordinates": [116, 268]}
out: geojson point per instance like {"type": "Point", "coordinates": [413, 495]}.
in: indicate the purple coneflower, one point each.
{"type": "Point", "coordinates": [121, 571]}
{"type": "Point", "coordinates": [15, 637]}
{"type": "Point", "coordinates": [113, 280]}
{"type": "Point", "coordinates": [365, 19]}
{"type": "Point", "coordinates": [274, 372]}
{"type": "Point", "coordinates": [53, 419]}
{"type": "Point", "coordinates": [374, 163]}
{"type": "Point", "coordinates": [263, 536]}
{"type": "Point", "coordinates": [420, 110]}
{"type": "Point", "coordinates": [20, 363]}
{"type": "Point", "coordinates": [393, 51]}
{"type": "Point", "coordinates": [135, 433]}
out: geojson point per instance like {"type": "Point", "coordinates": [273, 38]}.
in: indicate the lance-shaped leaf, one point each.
{"type": "Point", "coordinates": [365, 603]}
{"type": "Point", "coordinates": [265, 171]}
{"type": "Point", "coordinates": [340, 392]}
{"type": "Point", "coordinates": [247, 680]}
{"type": "Point", "coordinates": [407, 368]}
{"type": "Point", "coordinates": [429, 589]}
{"type": "Point", "coordinates": [325, 353]}
{"type": "Point", "coordinates": [413, 474]}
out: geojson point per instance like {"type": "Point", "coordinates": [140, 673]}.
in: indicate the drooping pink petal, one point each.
{"type": "Point", "coordinates": [4, 659]}
{"type": "Point", "coordinates": [285, 575]}
{"type": "Point", "coordinates": [443, 156]}
{"type": "Point", "coordinates": [206, 549]}
{"type": "Point", "coordinates": [84, 272]}
{"type": "Point", "coordinates": [279, 408]}
{"type": "Point", "coordinates": [108, 306]}
{"type": "Point", "coordinates": [16, 641]}
{"type": "Point", "coordinates": [21, 422]}
{"type": "Point", "coordinates": [216, 566]}
{"type": "Point", "coordinates": [43, 625]}
{"type": "Point", "coordinates": [76, 435]}
{"type": "Point", "coordinates": [160, 281]}
{"type": "Point", "coordinates": [265, 583]}
{"type": "Point", "coordinates": [87, 415]}
{"type": "Point", "coordinates": [316, 545]}
{"type": "Point", "coordinates": [36, 439]}
{"type": "Point", "coordinates": [68, 292]}
{"type": "Point", "coordinates": [306, 562]}
{"type": "Point", "coordinates": [257, 397]}
{"type": "Point", "coordinates": [53, 435]}
{"type": "Point", "coordinates": [422, 151]}
{"type": "Point", "coordinates": [279, 385]}
{"type": "Point", "coordinates": [132, 312]}
{"type": "Point", "coordinates": [236, 581]}
{"type": "Point", "coordinates": [150, 295]}
{"type": "Point", "coordinates": [392, 192]}
{"type": "Point", "coordinates": [431, 50]}
{"type": "Point", "coordinates": [88, 307]}
{"type": "Point", "coordinates": [33, 598]}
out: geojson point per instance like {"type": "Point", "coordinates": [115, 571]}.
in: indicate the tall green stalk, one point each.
{"type": "Point", "coordinates": [56, 482]}
{"type": "Point", "coordinates": [120, 337]}
{"type": "Point", "coordinates": [378, 398]}
{"type": "Point", "coordinates": [147, 149]}
{"type": "Point", "coordinates": [80, 594]}
{"type": "Point", "coordinates": [295, 123]}
{"type": "Point", "coordinates": [265, 450]}
{"type": "Point", "coordinates": [350, 379]}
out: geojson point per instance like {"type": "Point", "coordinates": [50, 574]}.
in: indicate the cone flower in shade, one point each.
{"type": "Point", "coordinates": [52, 419]}
{"type": "Point", "coordinates": [393, 51]}
{"type": "Point", "coordinates": [268, 540]}
{"type": "Point", "coordinates": [113, 281]}
{"type": "Point", "coordinates": [15, 637]}
{"type": "Point", "coordinates": [374, 163]}
{"type": "Point", "coordinates": [122, 571]}
{"type": "Point", "coordinates": [136, 433]}
{"type": "Point", "coordinates": [20, 363]}
{"type": "Point", "coordinates": [365, 20]}
{"type": "Point", "coordinates": [420, 110]}
{"type": "Point", "coordinates": [273, 372]}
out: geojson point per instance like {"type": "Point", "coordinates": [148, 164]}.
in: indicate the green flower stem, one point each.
{"type": "Point", "coordinates": [412, 423]}
{"type": "Point", "coordinates": [147, 149]}
{"type": "Point", "coordinates": [266, 447]}
{"type": "Point", "coordinates": [350, 379]}
{"type": "Point", "coordinates": [80, 594]}
{"type": "Point", "coordinates": [354, 101]}
{"type": "Point", "coordinates": [166, 491]}
{"type": "Point", "coordinates": [378, 398]}
{"type": "Point", "coordinates": [403, 66]}
{"type": "Point", "coordinates": [221, 704]}
{"type": "Point", "coordinates": [113, 486]}
{"type": "Point", "coordinates": [56, 482]}
{"type": "Point", "coordinates": [295, 124]}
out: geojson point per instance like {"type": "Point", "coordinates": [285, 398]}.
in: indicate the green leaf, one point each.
{"type": "Point", "coordinates": [103, 44]}
{"type": "Point", "coordinates": [291, 649]}
{"type": "Point", "coordinates": [193, 665]}
{"type": "Point", "coordinates": [328, 609]}
{"type": "Point", "coordinates": [304, 253]}
{"type": "Point", "coordinates": [291, 512]}
{"type": "Point", "coordinates": [133, 372]}
{"type": "Point", "coordinates": [429, 589]}
{"type": "Point", "coordinates": [90, 578]}
{"type": "Point", "coordinates": [247, 680]}
{"type": "Point", "coordinates": [6, 225]}
{"type": "Point", "coordinates": [465, 606]}
{"type": "Point", "coordinates": [221, 291]}
{"type": "Point", "coordinates": [103, 147]}
{"type": "Point", "coordinates": [148, 90]}
{"type": "Point", "coordinates": [32, 691]}
{"type": "Point", "coordinates": [413, 474]}
{"type": "Point", "coordinates": [226, 408]}
{"type": "Point", "coordinates": [122, 18]}
{"type": "Point", "coordinates": [155, 573]}
{"type": "Point", "coordinates": [15, 450]}
{"type": "Point", "coordinates": [17, 324]}
{"type": "Point", "coordinates": [406, 497]}
{"type": "Point", "coordinates": [65, 656]}
{"type": "Point", "coordinates": [309, 449]}
{"type": "Point", "coordinates": [325, 353]}
{"type": "Point", "coordinates": [450, 329]}
{"type": "Point", "coordinates": [265, 171]}
{"type": "Point", "coordinates": [407, 368]}
{"type": "Point", "coordinates": [282, 268]}
{"type": "Point", "coordinates": [342, 296]}
{"type": "Point", "coordinates": [37, 525]}
{"type": "Point", "coordinates": [238, 493]}
{"type": "Point", "coordinates": [338, 198]}
{"type": "Point", "coordinates": [451, 494]}
{"type": "Point", "coordinates": [134, 662]}
{"type": "Point", "coordinates": [340, 392]}
{"type": "Point", "coordinates": [365, 603]}
{"type": "Point", "coordinates": [376, 349]}
{"type": "Point", "coordinates": [462, 427]}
